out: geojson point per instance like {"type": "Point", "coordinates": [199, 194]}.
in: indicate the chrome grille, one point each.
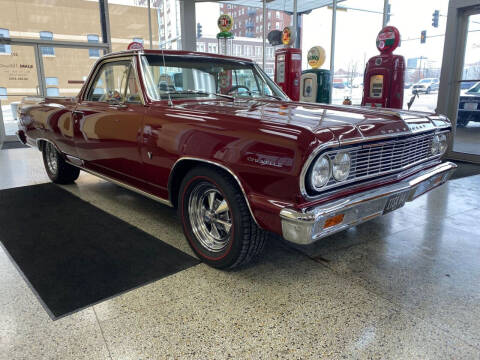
{"type": "Point", "coordinates": [384, 157]}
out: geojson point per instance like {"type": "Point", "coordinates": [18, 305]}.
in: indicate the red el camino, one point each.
{"type": "Point", "coordinates": [214, 137]}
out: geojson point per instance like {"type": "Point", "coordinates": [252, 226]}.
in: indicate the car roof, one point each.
{"type": "Point", "coordinates": [176, 52]}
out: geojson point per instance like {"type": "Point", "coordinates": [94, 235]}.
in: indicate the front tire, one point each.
{"type": "Point", "coordinates": [58, 170]}
{"type": "Point", "coordinates": [216, 219]}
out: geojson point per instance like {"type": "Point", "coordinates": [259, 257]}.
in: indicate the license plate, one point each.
{"type": "Point", "coordinates": [470, 106]}
{"type": "Point", "coordinates": [395, 202]}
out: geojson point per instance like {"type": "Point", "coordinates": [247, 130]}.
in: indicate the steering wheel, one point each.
{"type": "Point", "coordinates": [236, 87]}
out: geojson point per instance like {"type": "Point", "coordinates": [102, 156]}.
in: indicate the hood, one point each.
{"type": "Point", "coordinates": [344, 122]}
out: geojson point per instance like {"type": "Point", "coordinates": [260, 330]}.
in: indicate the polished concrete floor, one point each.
{"type": "Point", "coordinates": [404, 286]}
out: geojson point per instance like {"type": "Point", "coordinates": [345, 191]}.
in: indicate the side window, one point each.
{"type": "Point", "coordinates": [110, 82]}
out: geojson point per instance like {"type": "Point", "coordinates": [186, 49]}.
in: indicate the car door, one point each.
{"type": "Point", "coordinates": [108, 121]}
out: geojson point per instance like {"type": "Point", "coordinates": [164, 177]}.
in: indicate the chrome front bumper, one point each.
{"type": "Point", "coordinates": [307, 227]}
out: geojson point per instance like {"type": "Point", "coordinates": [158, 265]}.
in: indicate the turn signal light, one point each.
{"type": "Point", "coordinates": [334, 220]}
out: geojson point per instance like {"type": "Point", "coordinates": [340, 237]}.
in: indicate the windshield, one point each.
{"type": "Point", "coordinates": [424, 81]}
{"type": "Point", "coordinates": [475, 89]}
{"type": "Point", "coordinates": [183, 77]}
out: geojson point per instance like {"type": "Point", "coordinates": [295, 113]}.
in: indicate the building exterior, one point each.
{"type": "Point", "coordinates": [249, 48]}
{"type": "Point", "coordinates": [69, 20]}
{"type": "Point", "coordinates": [248, 21]}
{"type": "Point", "coordinates": [79, 20]}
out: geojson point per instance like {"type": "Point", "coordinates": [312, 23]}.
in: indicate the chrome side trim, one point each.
{"type": "Point", "coordinates": [37, 141]}
{"type": "Point", "coordinates": [124, 185]}
{"type": "Point", "coordinates": [74, 160]}
{"type": "Point", "coordinates": [222, 167]}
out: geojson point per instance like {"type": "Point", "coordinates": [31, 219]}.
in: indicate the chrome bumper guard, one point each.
{"type": "Point", "coordinates": [307, 227]}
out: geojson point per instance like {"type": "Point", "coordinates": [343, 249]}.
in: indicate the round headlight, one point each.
{"type": "Point", "coordinates": [435, 145]}
{"type": "Point", "coordinates": [341, 166]}
{"type": "Point", "coordinates": [320, 172]}
{"type": "Point", "coordinates": [439, 144]}
{"type": "Point", "coordinates": [442, 145]}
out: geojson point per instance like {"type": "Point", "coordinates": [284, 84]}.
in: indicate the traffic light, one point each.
{"type": "Point", "coordinates": [423, 37]}
{"type": "Point", "coordinates": [199, 30]}
{"type": "Point", "coordinates": [435, 17]}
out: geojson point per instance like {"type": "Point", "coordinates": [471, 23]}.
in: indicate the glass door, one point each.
{"type": "Point", "coordinates": [19, 77]}
{"type": "Point", "coordinates": [459, 95]}
{"type": "Point", "coordinates": [467, 135]}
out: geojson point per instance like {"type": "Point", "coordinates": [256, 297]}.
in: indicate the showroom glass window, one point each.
{"type": "Point", "coordinates": [47, 50]}
{"type": "Point", "coordinates": [93, 52]}
{"type": "Point", "coordinates": [4, 48]}
{"type": "Point", "coordinates": [3, 93]}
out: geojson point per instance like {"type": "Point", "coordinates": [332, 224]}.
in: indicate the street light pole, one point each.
{"type": "Point", "coordinates": [385, 13]}
{"type": "Point", "coordinates": [150, 25]}
{"type": "Point", "coordinates": [264, 32]}
{"type": "Point", "coordinates": [332, 44]}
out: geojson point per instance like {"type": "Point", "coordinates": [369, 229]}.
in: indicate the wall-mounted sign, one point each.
{"type": "Point", "coordinates": [287, 36]}
{"type": "Point", "coordinates": [135, 45]}
{"type": "Point", "coordinates": [316, 57]}
{"type": "Point", "coordinates": [225, 23]}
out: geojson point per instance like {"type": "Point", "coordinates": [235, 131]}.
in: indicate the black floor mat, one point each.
{"type": "Point", "coordinates": [73, 254]}
{"type": "Point", "coordinates": [13, 145]}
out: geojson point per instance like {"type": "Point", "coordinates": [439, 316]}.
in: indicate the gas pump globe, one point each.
{"type": "Point", "coordinates": [225, 37]}
{"type": "Point", "coordinates": [315, 82]}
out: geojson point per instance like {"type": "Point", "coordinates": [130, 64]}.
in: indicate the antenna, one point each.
{"type": "Point", "coordinates": [170, 103]}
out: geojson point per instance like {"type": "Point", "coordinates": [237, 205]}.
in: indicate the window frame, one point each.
{"type": "Point", "coordinates": [133, 60]}
{"type": "Point", "coordinates": [45, 50]}
{"type": "Point", "coordinates": [6, 47]}
{"type": "Point", "coordinates": [51, 77]}
{"type": "Point", "coordinates": [93, 51]}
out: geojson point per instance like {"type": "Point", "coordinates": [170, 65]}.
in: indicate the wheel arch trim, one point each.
{"type": "Point", "coordinates": [39, 140]}
{"type": "Point", "coordinates": [221, 166]}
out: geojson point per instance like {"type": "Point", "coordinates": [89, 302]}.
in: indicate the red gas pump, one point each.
{"type": "Point", "coordinates": [384, 77]}
{"type": "Point", "coordinates": [288, 67]}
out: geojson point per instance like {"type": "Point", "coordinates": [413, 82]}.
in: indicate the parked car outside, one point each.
{"type": "Point", "coordinates": [426, 86]}
{"type": "Point", "coordinates": [469, 106]}
{"type": "Point", "coordinates": [215, 138]}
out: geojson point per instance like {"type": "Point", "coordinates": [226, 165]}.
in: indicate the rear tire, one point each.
{"type": "Point", "coordinates": [58, 170]}
{"type": "Point", "coordinates": [216, 219]}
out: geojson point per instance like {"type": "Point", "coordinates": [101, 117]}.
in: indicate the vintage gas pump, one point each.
{"type": "Point", "coordinates": [384, 76]}
{"type": "Point", "coordinates": [315, 82]}
{"type": "Point", "coordinates": [288, 66]}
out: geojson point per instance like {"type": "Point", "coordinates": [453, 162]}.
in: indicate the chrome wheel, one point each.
{"type": "Point", "coordinates": [210, 217]}
{"type": "Point", "coordinates": [52, 158]}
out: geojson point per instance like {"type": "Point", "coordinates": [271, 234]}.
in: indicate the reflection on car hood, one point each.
{"type": "Point", "coordinates": [344, 122]}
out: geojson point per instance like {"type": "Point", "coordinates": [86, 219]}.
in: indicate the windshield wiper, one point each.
{"type": "Point", "coordinates": [199, 92]}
